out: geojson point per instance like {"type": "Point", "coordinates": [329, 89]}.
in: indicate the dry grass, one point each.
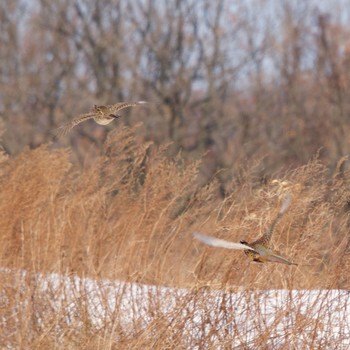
{"type": "Point", "coordinates": [130, 217]}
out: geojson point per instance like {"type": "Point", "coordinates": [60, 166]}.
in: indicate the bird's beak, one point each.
{"type": "Point", "coordinates": [115, 116]}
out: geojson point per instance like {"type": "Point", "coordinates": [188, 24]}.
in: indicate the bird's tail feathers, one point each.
{"type": "Point", "coordinates": [279, 259]}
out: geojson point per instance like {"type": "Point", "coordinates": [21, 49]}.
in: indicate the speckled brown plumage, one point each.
{"type": "Point", "coordinates": [102, 115]}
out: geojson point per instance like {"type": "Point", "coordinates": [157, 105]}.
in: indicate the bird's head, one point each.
{"type": "Point", "coordinates": [243, 242]}
{"type": "Point", "coordinates": [97, 109]}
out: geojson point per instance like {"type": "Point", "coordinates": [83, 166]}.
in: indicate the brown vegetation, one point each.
{"type": "Point", "coordinates": [130, 216]}
{"type": "Point", "coordinates": [249, 102]}
{"type": "Point", "coordinates": [228, 80]}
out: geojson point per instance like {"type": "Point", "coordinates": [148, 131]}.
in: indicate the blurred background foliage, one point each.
{"type": "Point", "coordinates": [238, 82]}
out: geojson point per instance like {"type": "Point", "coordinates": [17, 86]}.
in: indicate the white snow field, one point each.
{"type": "Point", "coordinates": [288, 319]}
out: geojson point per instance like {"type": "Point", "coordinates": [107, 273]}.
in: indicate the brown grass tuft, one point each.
{"type": "Point", "coordinates": [130, 217]}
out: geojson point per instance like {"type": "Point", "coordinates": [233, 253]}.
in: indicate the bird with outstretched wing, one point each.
{"type": "Point", "coordinates": [259, 250]}
{"type": "Point", "coordinates": [102, 115]}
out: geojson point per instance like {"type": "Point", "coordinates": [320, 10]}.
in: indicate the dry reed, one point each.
{"type": "Point", "coordinates": [130, 216]}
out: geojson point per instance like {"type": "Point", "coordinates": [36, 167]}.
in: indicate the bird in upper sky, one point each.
{"type": "Point", "coordinates": [259, 250]}
{"type": "Point", "coordinates": [102, 115]}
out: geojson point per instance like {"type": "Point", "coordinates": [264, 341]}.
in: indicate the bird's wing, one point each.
{"type": "Point", "coordinates": [216, 242]}
{"type": "Point", "coordinates": [265, 239]}
{"type": "Point", "coordinates": [118, 106]}
{"type": "Point", "coordinates": [65, 128]}
{"type": "Point", "coordinates": [279, 259]}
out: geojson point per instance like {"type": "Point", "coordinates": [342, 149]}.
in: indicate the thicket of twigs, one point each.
{"type": "Point", "coordinates": [250, 80]}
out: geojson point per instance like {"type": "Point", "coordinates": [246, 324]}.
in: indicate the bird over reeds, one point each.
{"type": "Point", "coordinates": [102, 115]}
{"type": "Point", "coordinates": [259, 250]}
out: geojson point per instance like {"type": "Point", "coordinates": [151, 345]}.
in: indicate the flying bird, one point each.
{"type": "Point", "coordinates": [102, 115]}
{"type": "Point", "coordinates": [259, 250]}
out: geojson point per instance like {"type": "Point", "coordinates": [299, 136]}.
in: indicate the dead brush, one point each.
{"type": "Point", "coordinates": [130, 216]}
